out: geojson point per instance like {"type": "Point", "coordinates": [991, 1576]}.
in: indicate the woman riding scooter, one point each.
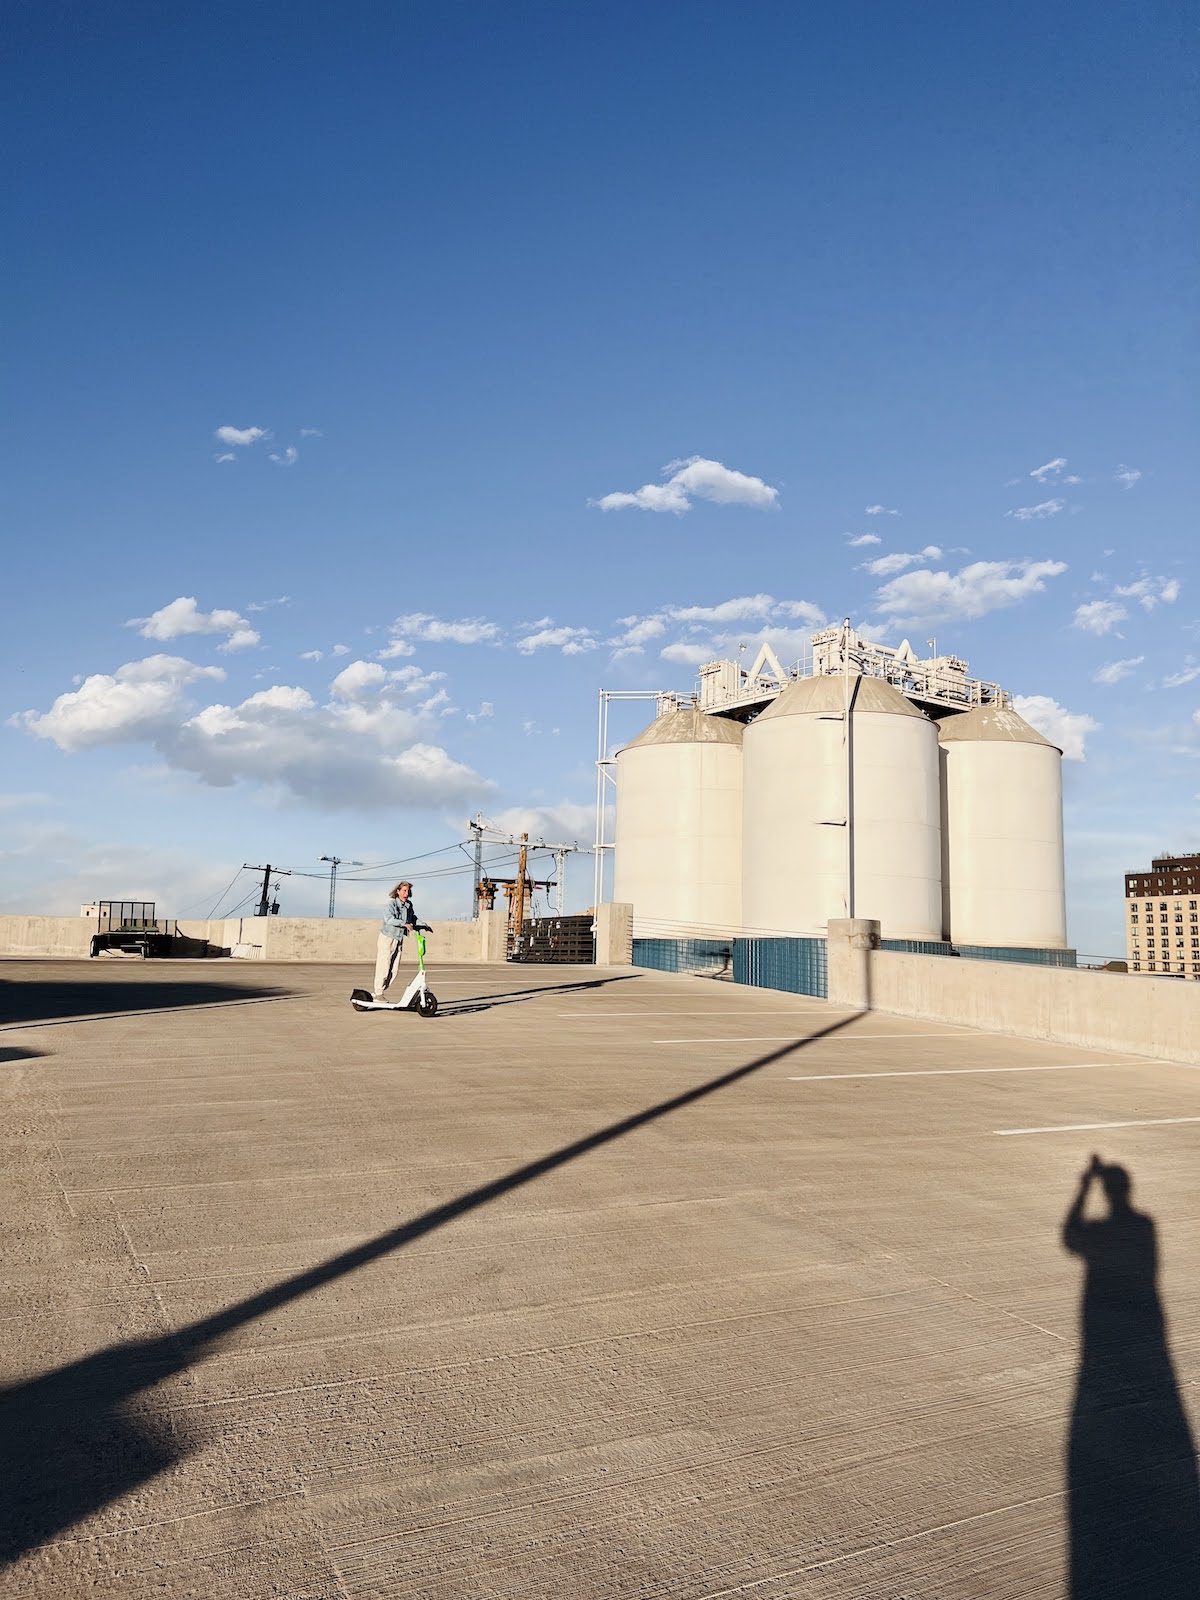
{"type": "Point", "coordinates": [398, 917]}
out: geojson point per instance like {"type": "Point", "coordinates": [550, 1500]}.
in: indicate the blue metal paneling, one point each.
{"type": "Point", "coordinates": [795, 965]}
{"type": "Point", "coordinates": [1026, 956]}
{"type": "Point", "coordinates": [682, 955]}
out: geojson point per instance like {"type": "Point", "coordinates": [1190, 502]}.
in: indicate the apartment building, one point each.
{"type": "Point", "coordinates": [1162, 917]}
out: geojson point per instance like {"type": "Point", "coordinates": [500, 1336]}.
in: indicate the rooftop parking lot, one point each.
{"type": "Point", "coordinates": [598, 1283]}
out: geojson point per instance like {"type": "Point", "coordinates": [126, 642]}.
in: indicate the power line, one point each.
{"type": "Point", "coordinates": [224, 892]}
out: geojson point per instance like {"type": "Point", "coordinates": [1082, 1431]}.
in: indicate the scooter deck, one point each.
{"type": "Point", "coordinates": [364, 1000]}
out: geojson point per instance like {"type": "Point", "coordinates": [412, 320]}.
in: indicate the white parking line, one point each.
{"type": "Point", "coordinates": [1091, 1127]}
{"type": "Point", "coordinates": [962, 1072]}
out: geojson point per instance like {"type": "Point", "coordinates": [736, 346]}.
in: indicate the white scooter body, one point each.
{"type": "Point", "coordinates": [417, 997]}
{"type": "Point", "coordinates": [405, 1002]}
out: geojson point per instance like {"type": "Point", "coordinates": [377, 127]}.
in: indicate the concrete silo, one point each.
{"type": "Point", "coordinates": [678, 840]}
{"type": "Point", "coordinates": [806, 855]}
{"type": "Point", "coordinates": [1003, 832]}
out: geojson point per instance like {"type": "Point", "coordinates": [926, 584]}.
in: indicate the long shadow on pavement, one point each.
{"type": "Point", "coordinates": [460, 1008]}
{"type": "Point", "coordinates": [78, 1438]}
{"type": "Point", "coordinates": [39, 1002]}
{"type": "Point", "coordinates": [1132, 1484]}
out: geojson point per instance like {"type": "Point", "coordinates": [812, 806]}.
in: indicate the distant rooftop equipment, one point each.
{"type": "Point", "coordinates": [938, 684]}
{"type": "Point", "coordinates": [114, 914]}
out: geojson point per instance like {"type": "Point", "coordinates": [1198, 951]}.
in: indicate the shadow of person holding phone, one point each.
{"type": "Point", "coordinates": [1133, 1490]}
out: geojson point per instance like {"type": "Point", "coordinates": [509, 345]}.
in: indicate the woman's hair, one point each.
{"type": "Point", "coordinates": [403, 884]}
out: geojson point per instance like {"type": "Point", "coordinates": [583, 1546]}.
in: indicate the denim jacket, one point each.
{"type": "Point", "coordinates": [398, 917]}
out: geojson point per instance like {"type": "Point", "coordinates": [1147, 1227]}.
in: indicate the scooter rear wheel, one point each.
{"type": "Point", "coordinates": [426, 1004]}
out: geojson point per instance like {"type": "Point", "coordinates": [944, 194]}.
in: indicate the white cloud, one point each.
{"type": "Point", "coordinates": [568, 822]}
{"type": "Point", "coordinates": [801, 611]}
{"type": "Point", "coordinates": [571, 641]}
{"type": "Point", "coordinates": [696, 478]}
{"type": "Point", "coordinates": [366, 749]}
{"type": "Point", "coordinates": [398, 647]}
{"type": "Point", "coordinates": [1115, 671]}
{"type": "Point", "coordinates": [983, 586]}
{"type": "Point", "coordinates": [1051, 470]}
{"type": "Point", "coordinates": [1127, 476]}
{"type": "Point", "coordinates": [265, 605]}
{"type": "Point", "coordinates": [289, 457]}
{"type": "Point", "coordinates": [486, 709]}
{"type": "Point", "coordinates": [226, 455]}
{"type": "Point", "coordinates": [1067, 729]}
{"type": "Point", "coordinates": [1046, 508]}
{"type": "Point", "coordinates": [312, 655]}
{"type": "Point", "coordinates": [239, 639]}
{"type": "Point", "coordinates": [1188, 673]}
{"type": "Point", "coordinates": [687, 654]}
{"type": "Point", "coordinates": [1150, 592]}
{"type": "Point", "coordinates": [183, 616]}
{"type": "Point", "coordinates": [882, 511]}
{"type": "Point", "coordinates": [638, 631]}
{"type": "Point", "coordinates": [135, 702]}
{"type": "Point", "coordinates": [885, 566]}
{"type": "Point", "coordinates": [863, 539]}
{"type": "Point", "coordinates": [340, 650]}
{"type": "Point", "coordinates": [240, 436]}
{"type": "Point", "coordinates": [468, 630]}
{"type": "Point", "coordinates": [368, 677]}
{"type": "Point", "coordinates": [1099, 616]}
{"type": "Point", "coordinates": [749, 605]}
{"type": "Point", "coordinates": [311, 433]}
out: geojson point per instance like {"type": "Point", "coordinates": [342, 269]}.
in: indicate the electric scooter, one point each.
{"type": "Point", "coordinates": [417, 997]}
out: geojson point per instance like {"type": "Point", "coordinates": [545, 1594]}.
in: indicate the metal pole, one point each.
{"type": "Point", "coordinates": [849, 748]}
{"type": "Point", "coordinates": [519, 897]}
{"type": "Point", "coordinates": [334, 863]}
{"type": "Point", "coordinates": [560, 872]}
{"type": "Point", "coordinates": [476, 828]}
{"type": "Point", "coordinates": [601, 752]}
{"type": "Point", "coordinates": [264, 903]}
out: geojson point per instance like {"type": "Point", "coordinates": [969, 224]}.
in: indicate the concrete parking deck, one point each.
{"type": "Point", "coordinates": [597, 1284]}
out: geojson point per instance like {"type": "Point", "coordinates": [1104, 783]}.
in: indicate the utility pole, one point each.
{"type": "Point", "coordinates": [334, 863]}
{"type": "Point", "coordinates": [476, 827]}
{"type": "Point", "coordinates": [264, 901]}
{"type": "Point", "coordinates": [519, 897]}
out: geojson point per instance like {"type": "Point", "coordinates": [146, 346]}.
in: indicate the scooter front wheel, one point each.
{"type": "Point", "coordinates": [426, 1004]}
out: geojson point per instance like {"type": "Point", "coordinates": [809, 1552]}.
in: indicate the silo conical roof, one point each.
{"type": "Point", "coordinates": [827, 693]}
{"type": "Point", "coordinates": [992, 724]}
{"type": "Point", "coordinates": [687, 725]}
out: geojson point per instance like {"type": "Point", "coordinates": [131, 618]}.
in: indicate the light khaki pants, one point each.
{"type": "Point", "coordinates": [387, 959]}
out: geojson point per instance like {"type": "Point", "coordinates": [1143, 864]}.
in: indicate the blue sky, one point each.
{"type": "Point", "coordinates": [471, 270]}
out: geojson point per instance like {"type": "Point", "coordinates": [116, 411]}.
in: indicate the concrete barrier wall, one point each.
{"type": "Point", "coordinates": [1133, 1015]}
{"type": "Point", "coordinates": [45, 936]}
{"type": "Point", "coordinates": [349, 939]}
